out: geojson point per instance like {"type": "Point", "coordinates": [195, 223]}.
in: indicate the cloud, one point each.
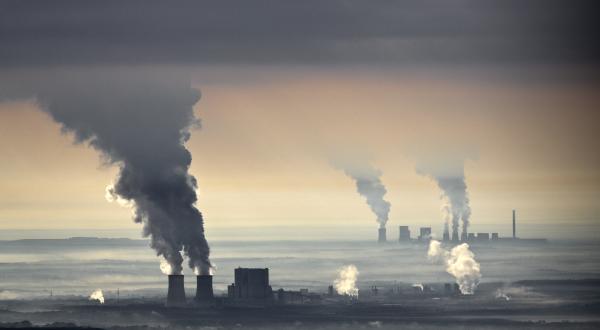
{"type": "Point", "coordinates": [286, 31]}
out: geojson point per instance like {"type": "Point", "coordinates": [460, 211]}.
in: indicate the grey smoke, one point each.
{"type": "Point", "coordinates": [449, 175]}
{"type": "Point", "coordinates": [139, 121]}
{"type": "Point", "coordinates": [369, 185]}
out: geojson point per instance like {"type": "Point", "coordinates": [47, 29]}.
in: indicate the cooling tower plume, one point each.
{"type": "Point", "coordinates": [97, 296]}
{"type": "Point", "coordinates": [449, 174]}
{"type": "Point", "coordinates": [368, 185]}
{"type": "Point", "coordinates": [460, 263]}
{"type": "Point", "coordinates": [345, 284]}
{"type": "Point", "coordinates": [139, 120]}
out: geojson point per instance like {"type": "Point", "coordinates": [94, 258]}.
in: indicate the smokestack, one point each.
{"type": "Point", "coordinates": [369, 185]}
{"type": "Point", "coordinates": [514, 224]}
{"type": "Point", "coordinates": [204, 288]}
{"type": "Point", "coordinates": [382, 236]}
{"type": "Point", "coordinates": [176, 293]}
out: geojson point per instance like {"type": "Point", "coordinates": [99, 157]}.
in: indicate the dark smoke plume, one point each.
{"type": "Point", "coordinates": [369, 185]}
{"type": "Point", "coordinates": [139, 120]}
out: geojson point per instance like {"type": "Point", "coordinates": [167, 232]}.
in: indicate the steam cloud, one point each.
{"type": "Point", "coordinates": [450, 178]}
{"type": "Point", "coordinates": [369, 185]}
{"type": "Point", "coordinates": [97, 295]}
{"type": "Point", "coordinates": [345, 284]}
{"type": "Point", "coordinates": [460, 263]}
{"type": "Point", "coordinates": [139, 120]}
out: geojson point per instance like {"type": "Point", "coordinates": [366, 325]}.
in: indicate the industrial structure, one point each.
{"type": "Point", "coordinates": [382, 238]}
{"type": "Point", "coordinates": [176, 291]}
{"type": "Point", "coordinates": [514, 224]}
{"type": "Point", "coordinates": [251, 286]}
{"type": "Point", "coordinates": [404, 234]}
{"type": "Point", "coordinates": [204, 289]}
{"type": "Point", "coordinates": [425, 235]}
{"type": "Point", "coordinates": [446, 237]}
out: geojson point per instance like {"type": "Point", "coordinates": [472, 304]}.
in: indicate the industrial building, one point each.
{"type": "Point", "coordinates": [404, 234]}
{"type": "Point", "coordinates": [251, 285]}
{"type": "Point", "coordinates": [483, 236]}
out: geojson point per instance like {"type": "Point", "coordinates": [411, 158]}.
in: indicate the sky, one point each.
{"type": "Point", "coordinates": [511, 88]}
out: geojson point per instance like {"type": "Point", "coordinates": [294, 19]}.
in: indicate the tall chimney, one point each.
{"type": "Point", "coordinates": [176, 293]}
{"type": "Point", "coordinates": [514, 224]}
{"type": "Point", "coordinates": [204, 289]}
{"type": "Point", "coordinates": [382, 236]}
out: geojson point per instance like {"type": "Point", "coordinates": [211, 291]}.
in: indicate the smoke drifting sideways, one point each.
{"type": "Point", "coordinates": [345, 284]}
{"type": "Point", "coordinates": [369, 185]}
{"type": "Point", "coordinates": [139, 120]}
{"type": "Point", "coordinates": [449, 174]}
{"type": "Point", "coordinates": [460, 263]}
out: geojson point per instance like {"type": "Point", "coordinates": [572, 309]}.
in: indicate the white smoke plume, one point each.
{"type": "Point", "coordinates": [139, 120]}
{"type": "Point", "coordinates": [500, 294]}
{"type": "Point", "coordinates": [165, 267]}
{"type": "Point", "coordinates": [449, 174]}
{"type": "Point", "coordinates": [460, 263]}
{"type": "Point", "coordinates": [368, 185]}
{"type": "Point", "coordinates": [97, 295]}
{"type": "Point", "coordinates": [345, 284]}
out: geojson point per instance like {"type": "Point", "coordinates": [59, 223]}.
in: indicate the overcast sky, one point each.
{"type": "Point", "coordinates": [512, 85]}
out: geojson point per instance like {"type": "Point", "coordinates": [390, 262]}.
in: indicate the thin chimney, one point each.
{"type": "Point", "coordinates": [514, 224]}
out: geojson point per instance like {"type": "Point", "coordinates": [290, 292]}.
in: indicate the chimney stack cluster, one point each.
{"type": "Point", "coordinates": [176, 290]}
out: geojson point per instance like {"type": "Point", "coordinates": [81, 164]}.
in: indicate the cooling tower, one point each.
{"type": "Point", "coordinates": [464, 236]}
{"type": "Point", "coordinates": [204, 288]}
{"type": "Point", "coordinates": [176, 293]}
{"type": "Point", "coordinates": [404, 234]}
{"type": "Point", "coordinates": [382, 236]}
{"type": "Point", "coordinates": [446, 236]}
{"type": "Point", "coordinates": [454, 236]}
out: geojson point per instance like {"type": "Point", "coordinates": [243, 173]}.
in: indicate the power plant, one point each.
{"type": "Point", "coordinates": [425, 235]}
{"type": "Point", "coordinates": [251, 285]}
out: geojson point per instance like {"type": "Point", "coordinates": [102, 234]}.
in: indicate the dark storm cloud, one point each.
{"type": "Point", "coordinates": [308, 31]}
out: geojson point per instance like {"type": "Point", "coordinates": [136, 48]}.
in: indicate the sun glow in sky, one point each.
{"type": "Point", "coordinates": [261, 155]}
